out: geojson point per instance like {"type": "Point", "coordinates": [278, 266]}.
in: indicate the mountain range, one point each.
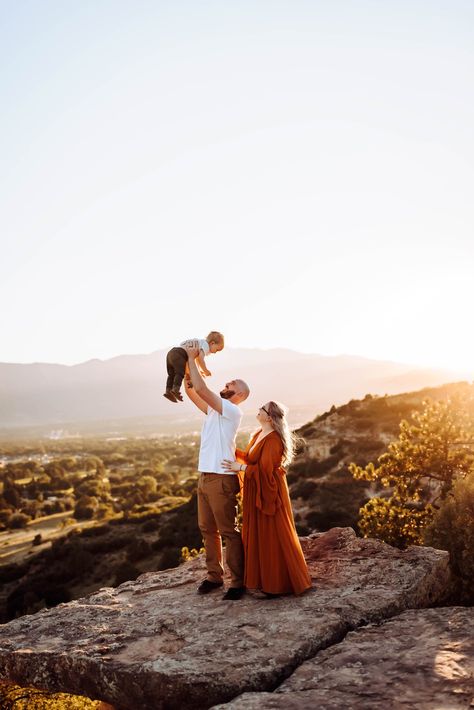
{"type": "Point", "coordinates": [127, 390]}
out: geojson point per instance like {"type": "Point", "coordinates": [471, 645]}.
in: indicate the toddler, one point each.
{"type": "Point", "coordinates": [177, 358]}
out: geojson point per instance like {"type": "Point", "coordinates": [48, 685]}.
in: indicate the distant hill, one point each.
{"type": "Point", "coordinates": [126, 390]}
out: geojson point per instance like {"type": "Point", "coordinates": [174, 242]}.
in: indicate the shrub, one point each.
{"type": "Point", "coordinates": [108, 543]}
{"type": "Point", "coordinates": [126, 572]}
{"type": "Point", "coordinates": [151, 525]}
{"type": "Point", "coordinates": [339, 447]}
{"type": "Point", "coordinates": [304, 489]}
{"type": "Point", "coordinates": [170, 558]}
{"type": "Point", "coordinates": [15, 697]}
{"type": "Point", "coordinates": [12, 572]}
{"type": "Point", "coordinates": [298, 468]}
{"type": "Point", "coordinates": [302, 529]}
{"type": "Point", "coordinates": [138, 549]}
{"type": "Point", "coordinates": [363, 423]}
{"type": "Point", "coordinates": [452, 529]}
{"type": "Point", "coordinates": [327, 414]}
{"type": "Point", "coordinates": [398, 525]}
{"type": "Point", "coordinates": [19, 520]}
{"type": "Point", "coordinates": [95, 531]}
{"type": "Point", "coordinates": [190, 554]}
{"type": "Point", "coordinates": [56, 595]}
{"type": "Point", "coordinates": [319, 468]}
{"type": "Point", "coordinates": [86, 507]}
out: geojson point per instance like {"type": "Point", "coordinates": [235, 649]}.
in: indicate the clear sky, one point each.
{"type": "Point", "coordinates": [293, 173]}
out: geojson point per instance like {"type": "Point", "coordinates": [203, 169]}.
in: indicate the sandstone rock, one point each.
{"type": "Point", "coordinates": [154, 643]}
{"type": "Point", "coordinates": [420, 660]}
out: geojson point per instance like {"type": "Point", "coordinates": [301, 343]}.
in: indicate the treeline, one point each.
{"type": "Point", "coordinates": [93, 480]}
{"type": "Point", "coordinates": [138, 493]}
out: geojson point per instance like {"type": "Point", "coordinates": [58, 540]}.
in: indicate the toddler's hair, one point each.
{"type": "Point", "coordinates": [215, 337]}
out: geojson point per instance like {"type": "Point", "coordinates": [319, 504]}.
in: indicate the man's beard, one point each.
{"type": "Point", "coordinates": [226, 394]}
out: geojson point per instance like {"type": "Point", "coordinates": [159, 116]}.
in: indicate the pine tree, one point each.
{"type": "Point", "coordinates": [420, 468]}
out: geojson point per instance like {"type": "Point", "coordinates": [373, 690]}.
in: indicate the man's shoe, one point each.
{"type": "Point", "coordinates": [234, 593]}
{"type": "Point", "coordinates": [177, 394]}
{"type": "Point", "coordinates": [207, 586]}
{"type": "Point", "coordinates": [169, 395]}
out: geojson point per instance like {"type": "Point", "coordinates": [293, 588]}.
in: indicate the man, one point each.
{"type": "Point", "coordinates": [218, 488]}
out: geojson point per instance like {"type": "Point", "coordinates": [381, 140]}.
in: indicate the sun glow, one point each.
{"type": "Point", "coordinates": [331, 220]}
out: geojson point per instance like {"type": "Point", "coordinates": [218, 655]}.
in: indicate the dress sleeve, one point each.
{"type": "Point", "coordinates": [264, 474]}
{"type": "Point", "coordinates": [241, 455]}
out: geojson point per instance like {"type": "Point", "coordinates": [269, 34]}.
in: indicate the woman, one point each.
{"type": "Point", "coordinates": [274, 561]}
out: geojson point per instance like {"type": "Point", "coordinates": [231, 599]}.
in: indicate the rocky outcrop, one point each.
{"type": "Point", "coordinates": [154, 643]}
{"type": "Point", "coordinates": [324, 493]}
{"type": "Point", "coordinates": [422, 660]}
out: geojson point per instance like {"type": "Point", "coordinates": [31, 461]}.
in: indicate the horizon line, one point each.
{"type": "Point", "coordinates": [413, 365]}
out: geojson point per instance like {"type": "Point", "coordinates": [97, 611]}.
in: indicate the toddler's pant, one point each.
{"type": "Point", "coordinates": [176, 365]}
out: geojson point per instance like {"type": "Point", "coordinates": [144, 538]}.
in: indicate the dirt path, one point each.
{"type": "Point", "coordinates": [16, 544]}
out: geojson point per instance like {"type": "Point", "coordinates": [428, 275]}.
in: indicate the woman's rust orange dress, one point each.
{"type": "Point", "coordinates": [274, 560]}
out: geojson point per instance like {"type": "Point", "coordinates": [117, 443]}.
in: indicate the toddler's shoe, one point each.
{"type": "Point", "coordinates": [177, 394]}
{"type": "Point", "coordinates": [169, 394]}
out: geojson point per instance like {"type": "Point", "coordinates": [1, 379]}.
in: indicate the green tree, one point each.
{"type": "Point", "coordinates": [55, 471]}
{"type": "Point", "coordinates": [19, 520]}
{"type": "Point", "coordinates": [93, 486]}
{"type": "Point", "coordinates": [420, 468]}
{"type": "Point", "coordinates": [11, 493]}
{"type": "Point", "coordinates": [86, 507]}
{"type": "Point", "coordinates": [148, 486]}
{"type": "Point", "coordinates": [452, 529]}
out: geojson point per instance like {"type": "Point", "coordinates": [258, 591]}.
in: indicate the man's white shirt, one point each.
{"type": "Point", "coordinates": [218, 438]}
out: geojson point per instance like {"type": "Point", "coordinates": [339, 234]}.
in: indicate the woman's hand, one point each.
{"type": "Point", "coordinates": [231, 465]}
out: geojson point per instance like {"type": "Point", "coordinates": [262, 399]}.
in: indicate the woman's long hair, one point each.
{"type": "Point", "coordinates": [277, 413]}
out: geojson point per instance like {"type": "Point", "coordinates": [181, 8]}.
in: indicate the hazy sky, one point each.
{"type": "Point", "coordinates": [296, 174]}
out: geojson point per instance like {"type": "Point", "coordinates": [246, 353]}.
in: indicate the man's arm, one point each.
{"type": "Point", "coordinates": [202, 364]}
{"type": "Point", "coordinates": [211, 398]}
{"type": "Point", "coordinates": [191, 392]}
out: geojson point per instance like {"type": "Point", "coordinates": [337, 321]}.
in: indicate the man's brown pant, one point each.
{"type": "Point", "coordinates": [217, 513]}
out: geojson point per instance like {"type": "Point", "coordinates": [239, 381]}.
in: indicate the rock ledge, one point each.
{"type": "Point", "coordinates": [154, 643]}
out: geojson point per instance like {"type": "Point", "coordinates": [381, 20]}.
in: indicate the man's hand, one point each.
{"type": "Point", "coordinates": [200, 388]}
{"type": "Point", "coordinates": [232, 465]}
{"type": "Point", "coordinates": [207, 373]}
{"type": "Point", "coordinates": [192, 350]}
